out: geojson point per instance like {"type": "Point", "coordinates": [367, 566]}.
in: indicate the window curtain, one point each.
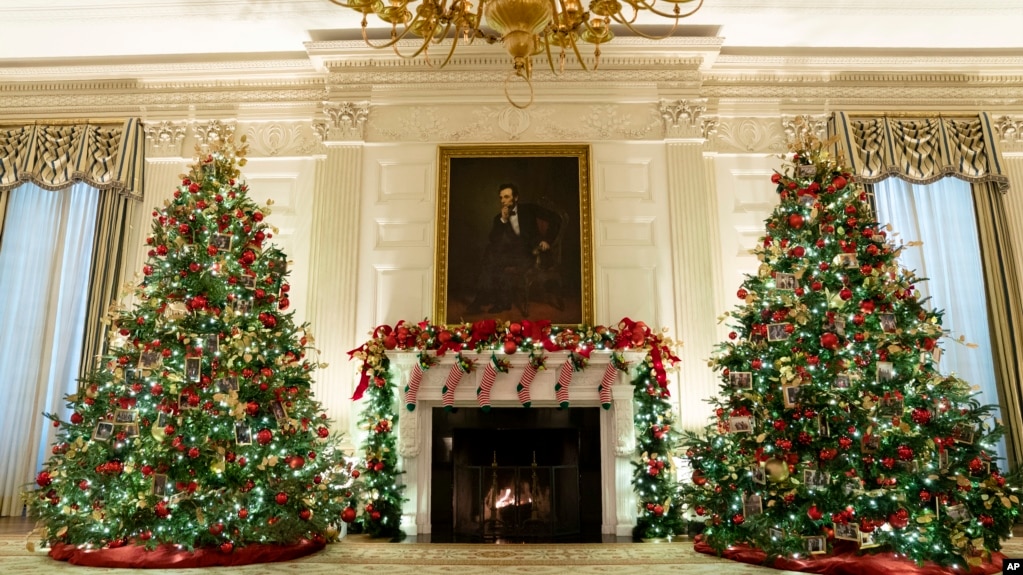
{"type": "Point", "coordinates": [45, 261]}
{"type": "Point", "coordinates": [923, 150]}
{"type": "Point", "coordinates": [935, 215]}
{"type": "Point", "coordinates": [109, 159]}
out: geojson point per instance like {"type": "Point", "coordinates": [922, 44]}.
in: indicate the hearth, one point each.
{"type": "Point", "coordinates": [514, 475]}
{"type": "Point", "coordinates": [604, 440]}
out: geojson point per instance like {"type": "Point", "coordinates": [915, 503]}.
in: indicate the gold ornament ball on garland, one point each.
{"type": "Point", "coordinates": [777, 470]}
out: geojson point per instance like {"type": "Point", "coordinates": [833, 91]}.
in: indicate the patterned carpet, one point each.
{"type": "Point", "coordinates": [357, 555]}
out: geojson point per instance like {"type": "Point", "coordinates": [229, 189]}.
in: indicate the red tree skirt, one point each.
{"type": "Point", "coordinates": [169, 556]}
{"type": "Point", "coordinates": [845, 560]}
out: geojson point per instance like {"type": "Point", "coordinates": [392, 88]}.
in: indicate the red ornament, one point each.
{"type": "Point", "coordinates": [813, 513]}
{"type": "Point", "coordinates": [281, 498]}
{"type": "Point", "coordinates": [698, 478]}
{"type": "Point", "coordinates": [296, 462]}
{"type": "Point", "coordinates": [796, 221]}
{"type": "Point", "coordinates": [829, 341]}
{"type": "Point", "coordinates": [305, 514]}
{"type": "Point", "coordinates": [227, 547]}
{"type": "Point", "coordinates": [348, 515]}
{"type": "Point", "coordinates": [510, 346]}
{"type": "Point", "coordinates": [264, 436]}
{"type": "Point", "coordinates": [756, 363]}
{"type": "Point", "coordinates": [216, 529]}
{"type": "Point", "coordinates": [43, 479]}
{"type": "Point", "coordinates": [738, 519]}
{"type": "Point", "coordinates": [742, 293]}
{"type": "Point", "coordinates": [846, 294]}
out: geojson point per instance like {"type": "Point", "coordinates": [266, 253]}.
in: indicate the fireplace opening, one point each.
{"type": "Point", "coordinates": [516, 475]}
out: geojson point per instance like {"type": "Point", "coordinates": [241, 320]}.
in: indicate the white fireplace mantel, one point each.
{"type": "Point", "coordinates": [617, 429]}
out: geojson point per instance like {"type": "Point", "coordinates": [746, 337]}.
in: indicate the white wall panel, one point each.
{"type": "Point", "coordinates": [625, 179]}
{"type": "Point", "coordinates": [399, 234]}
{"type": "Point", "coordinates": [402, 294]}
{"type": "Point", "coordinates": [638, 231]}
{"type": "Point", "coordinates": [632, 253]}
{"type": "Point", "coordinates": [289, 184]}
{"type": "Point", "coordinates": [396, 246]}
{"type": "Point", "coordinates": [404, 181]}
{"type": "Point", "coordinates": [628, 291]}
{"type": "Point", "coordinates": [746, 198]}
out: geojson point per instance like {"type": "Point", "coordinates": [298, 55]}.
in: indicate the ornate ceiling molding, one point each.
{"type": "Point", "coordinates": [503, 123]}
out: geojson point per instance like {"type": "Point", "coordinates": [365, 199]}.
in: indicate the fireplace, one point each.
{"type": "Point", "coordinates": [515, 475]}
{"type": "Point", "coordinates": [584, 454]}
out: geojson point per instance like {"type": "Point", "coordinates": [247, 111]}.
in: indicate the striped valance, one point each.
{"type": "Point", "coordinates": [107, 157]}
{"type": "Point", "coordinates": [920, 150]}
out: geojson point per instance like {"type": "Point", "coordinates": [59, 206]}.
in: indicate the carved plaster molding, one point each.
{"type": "Point", "coordinates": [540, 123]}
{"type": "Point", "coordinates": [799, 126]}
{"type": "Point", "coordinates": [279, 139]}
{"type": "Point", "coordinates": [1010, 133]}
{"type": "Point", "coordinates": [346, 121]}
{"type": "Point", "coordinates": [682, 118]}
{"type": "Point", "coordinates": [749, 135]}
{"type": "Point", "coordinates": [164, 139]}
{"type": "Point", "coordinates": [212, 131]}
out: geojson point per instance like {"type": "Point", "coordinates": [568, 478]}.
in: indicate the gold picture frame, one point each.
{"type": "Point", "coordinates": [475, 278]}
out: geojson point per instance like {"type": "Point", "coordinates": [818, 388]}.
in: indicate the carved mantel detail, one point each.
{"type": "Point", "coordinates": [345, 122]}
{"type": "Point", "coordinates": [682, 118]}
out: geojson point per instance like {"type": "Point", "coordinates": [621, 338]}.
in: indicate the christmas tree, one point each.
{"type": "Point", "coordinates": [198, 428]}
{"type": "Point", "coordinates": [834, 427]}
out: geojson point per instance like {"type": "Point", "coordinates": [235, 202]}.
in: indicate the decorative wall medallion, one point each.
{"type": "Point", "coordinates": [277, 139]}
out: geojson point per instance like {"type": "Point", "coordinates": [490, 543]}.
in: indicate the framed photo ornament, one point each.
{"type": "Point", "coordinates": [514, 233]}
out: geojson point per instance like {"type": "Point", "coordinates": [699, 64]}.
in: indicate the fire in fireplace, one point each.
{"type": "Point", "coordinates": [517, 475]}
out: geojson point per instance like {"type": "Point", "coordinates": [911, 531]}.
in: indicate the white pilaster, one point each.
{"type": "Point", "coordinates": [332, 277]}
{"type": "Point", "coordinates": [693, 209]}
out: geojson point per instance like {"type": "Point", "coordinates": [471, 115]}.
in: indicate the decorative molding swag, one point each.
{"type": "Point", "coordinates": [346, 122]}
{"type": "Point", "coordinates": [748, 135]}
{"type": "Point", "coordinates": [539, 123]}
{"type": "Point", "coordinates": [281, 139]}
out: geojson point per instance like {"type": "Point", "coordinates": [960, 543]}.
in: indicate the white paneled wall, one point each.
{"type": "Point", "coordinates": [632, 258]}
{"type": "Point", "coordinates": [289, 184]}
{"type": "Point", "coordinates": [396, 247]}
{"type": "Point", "coordinates": [746, 198]}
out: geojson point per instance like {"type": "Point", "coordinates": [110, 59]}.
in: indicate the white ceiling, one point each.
{"type": "Point", "coordinates": [90, 31]}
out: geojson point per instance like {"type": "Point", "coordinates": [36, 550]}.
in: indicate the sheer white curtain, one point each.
{"type": "Point", "coordinates": [942, 216]}
{"type": "Point", "coordinates": [44, 274]}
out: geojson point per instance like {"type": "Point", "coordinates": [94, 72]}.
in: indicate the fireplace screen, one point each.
{"type": "Point", "coordinates": [514, 502]}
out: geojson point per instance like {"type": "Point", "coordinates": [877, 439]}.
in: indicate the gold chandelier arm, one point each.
{"type": "Point", "coordinates": [507, 82]}
{"type": "Point", "coordinates": [579, 56]}
{"type": "Point", "coordinates": [451, 52]}
{"type": "Point", "coordinates": [422, 49]}
{"type": "Point", "coordinates": [628, 25]}
{"type": "Point", "coordinates": [395, 37]}
{"type": "Point", "coordinates": [675, 14]}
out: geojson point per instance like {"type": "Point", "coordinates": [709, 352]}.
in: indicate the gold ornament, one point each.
{"type": "Point", "coordinates": [777, 470]}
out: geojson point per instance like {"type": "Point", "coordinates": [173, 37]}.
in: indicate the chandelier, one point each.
{"type": "Point", "coordinates": [527, 28]}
